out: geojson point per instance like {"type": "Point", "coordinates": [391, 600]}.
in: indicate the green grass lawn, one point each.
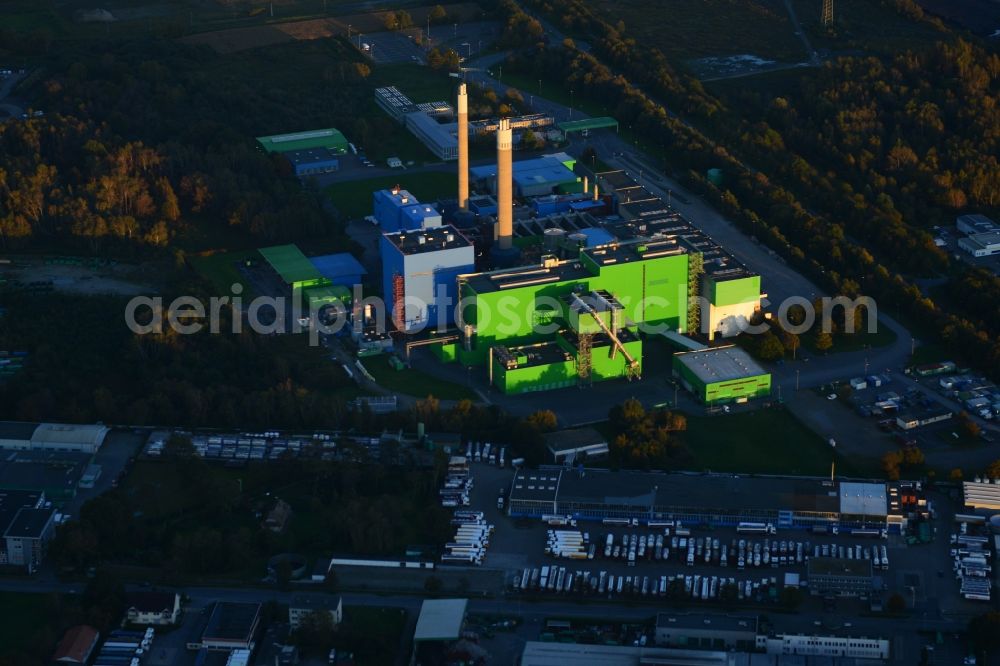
{"type": "Point", "coordinates": [414, 382]}
{"type": "Point", "coordinates": [685, 29]}
{"type": "Point", "coordinates": [769, 441]}
{"type": "Point", "coordinates": [21, 616]}
{"type": "Point", "coordinates": [851, 343]}
{"type": "Point", "coordinates": [354, 198]}
{"type": "Point", "coordinates": [219, 269]}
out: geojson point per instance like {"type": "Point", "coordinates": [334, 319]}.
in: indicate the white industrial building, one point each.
{"type": "Point", "coordinates": [828, 646]}
{"type": "Point", "coordinates": [981, 245]}
{"type": "Point", "coordinates": [300, 607]}
{"type": "Point", "coordinates": [153, 608]}
{"type": "Point", "coordinates": [21, 436]}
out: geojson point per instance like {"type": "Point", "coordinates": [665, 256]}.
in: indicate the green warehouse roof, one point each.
{"type": "Point", "coordinates": [587, 124]}
{"type": "Point", "coordinates": [290, 263]}
{"type": "Point", "coordinates": [329, 138]}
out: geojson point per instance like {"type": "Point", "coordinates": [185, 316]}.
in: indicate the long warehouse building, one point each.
{"type": "Point", "coordinates": [704, 499]}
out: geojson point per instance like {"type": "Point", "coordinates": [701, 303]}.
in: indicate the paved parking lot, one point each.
{"type": "Point", "coordinates": [392, 47]}
{"type": "Point", "coordinates": [921, 574]}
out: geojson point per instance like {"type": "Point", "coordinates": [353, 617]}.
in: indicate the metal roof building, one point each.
{"type": "Point", "coordinates": [982, 494]}
{"type": "Point", "coordinates": [313, 161]}
{"type": "Point", "coordinates": [340, 269]}
{"type": "Point", "coordinates": [231, 626]}
{"type": "Point", "coordinates": [722, 374]}
{"type": "Point", "coordinates": [440, 620]}
{"type": "Point", "coordinates": [293, 267]}
{"type": "Point", "coordinates": [24, 436]}
{"type": "Point", "coordinates": [57, 474]}
{"type": "Point", "coordinates": [715, 499]}
{"type": "Point", "coordinates": [77, 645]}
{"type": "Point", "coordinates": [566, 446]}
{"type": "Point", "coordinates": [69, 437]}
{"type": "Point", "coordinates": [329, 138]}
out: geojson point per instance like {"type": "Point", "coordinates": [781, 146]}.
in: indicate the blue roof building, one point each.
{"type": "Point", "coordinates": [534, 177]}
{"type": "Point", "coordinates": [398, 210]}
{"type": "Point", "coordinates": [341, 269]}
{"type": "Point", "coordinates": [597, 236]}
{"type": "Point", "coordinates": [313, 161]}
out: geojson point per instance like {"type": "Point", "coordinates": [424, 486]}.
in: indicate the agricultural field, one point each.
{"type": "Point", "coordinates": [688, 29]}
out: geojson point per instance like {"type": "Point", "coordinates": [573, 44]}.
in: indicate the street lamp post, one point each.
{"type": "Point", "coordinates": [571, 104]}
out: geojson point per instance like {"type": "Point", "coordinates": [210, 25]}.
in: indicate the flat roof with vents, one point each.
{"type": "Point", "coordinates": [863, 499]}
{"type": "Point", "coordinates": [525, 276]}
{"type": "Point", "coordinates": [707, 621]}
{"type": "Point", "coordinates": [720, 364]}
{"type": "Point", "coordinates": [431, 239]}
{"type": "Point", "coordinates": [684, 493]}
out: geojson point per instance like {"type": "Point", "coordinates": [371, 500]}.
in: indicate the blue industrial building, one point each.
{"type": "Point", "coordinates": [532, 178]}
{"type": "Point", "coordinates": [398, 210]}
{"type": "Point", "coordinates": [419, 271]}
{"type": "Point", "coordinates": [597, 236]}
{"type": "Point", "coordinates": [313, 161]}
{"type": "Point", "coordinates": [341, 269]}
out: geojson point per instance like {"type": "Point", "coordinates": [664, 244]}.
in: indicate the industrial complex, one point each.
{"type": "Point", "coordinates": [548, 275]}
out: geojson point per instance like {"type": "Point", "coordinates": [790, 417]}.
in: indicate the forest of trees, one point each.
{"type": "Point", "coordinates": [864, 240]}
{"type": "Point", "coordinates": [144, 141]}
{"type": "Point", "coordinates": [213, 527]}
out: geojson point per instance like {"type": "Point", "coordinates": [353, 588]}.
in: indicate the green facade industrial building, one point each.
{"type": "Point", "coordinates": [299, 273]}
{"type": "Point", "coordinates": [572, 321]}
{"type": "Point", "coordinates": [722, 375]}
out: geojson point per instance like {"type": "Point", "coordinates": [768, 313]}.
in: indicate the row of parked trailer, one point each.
{"type": "Point", "coordinates": [471, 539]}
{"type": "Point", "coordinates": [489, 453]}
{"type": "Point", "coordinates": [971, 565]}
{"type": "Point", "coordinates": [124, 648]}
{"type": "Point", "coordinates": [741, 553]}
{"type": "Point", "coordinates": [560, 580]}
{"type": "Point", "coordinates": [457, 483]}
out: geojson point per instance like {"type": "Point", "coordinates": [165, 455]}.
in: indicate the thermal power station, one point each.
{"type": "Point", "coordinates": [562, 290]}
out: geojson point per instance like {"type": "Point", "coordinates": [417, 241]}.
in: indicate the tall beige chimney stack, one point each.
{"type": "Point", "coordinates": [595, 191]}
{"type": "Point", "coordinates": [505, 185]}
{"type": "Point", "coordinates": [463, 148]}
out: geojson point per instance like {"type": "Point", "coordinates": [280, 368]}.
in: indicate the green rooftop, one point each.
{"type": "Point", "coordinates": [293, 266]}
{"type": "Point", "coordinates": [329, 138]}
{"type": "Point", "coordinates": [588, 124]}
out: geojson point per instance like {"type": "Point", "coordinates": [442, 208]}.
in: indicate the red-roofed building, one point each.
{"type": "Point", "coordinates": [76, 645]}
